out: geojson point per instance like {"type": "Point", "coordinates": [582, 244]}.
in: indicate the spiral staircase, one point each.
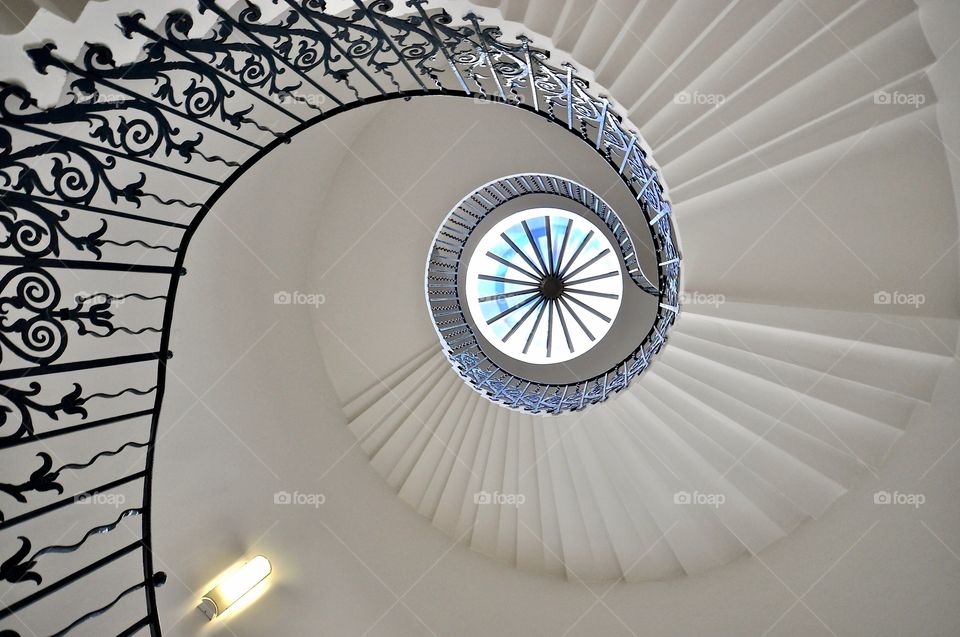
{"type": "Point", "coordinates": [807, 148]}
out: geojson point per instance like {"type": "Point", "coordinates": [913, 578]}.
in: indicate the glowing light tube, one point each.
{"type": "Point", "coordinates": [234, 586]}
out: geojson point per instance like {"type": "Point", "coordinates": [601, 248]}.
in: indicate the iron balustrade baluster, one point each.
{"type": "Point", "coordinates": [74, 174]}
{"type": "Point", "coordinates": [525, 42]}
{"type": "Point", "coordinates": [33, 230]}
{"type": "Point", "coordinates": [140, 132]}
{"type": "Point", "coordinates": [19, 567]}
{"type": "Point", "coordinates": [46, 478]}
{"type": "Point", "coordinates": [110, 152]}
{"type": "Point", "coordinates": [60, 368]}
{"type": "Point", "coordinates": [299, 8]}
{"type": "Point", "coordinates": [7, 196]}
{"type": "Point", "coordinates": [89, 265]}
{"type": "Point", "coordinates": [252, 11]}
{"type": "Point", "coordinates": [303, 58]}
{"type": "Point", "coordinates": [43, 57]}
{"type": "Point", "coordinates": [366, 44]}
{"type": "Point", "coordinates": [6, 611]}
{"type": "Point", "coordinates": [136, 627]}
{"type": "Point", "coordinates": [158, 580]}
{"type": "Point", "coordinates": [475, 21]}
{"type": "Point", "coordinates": [59, 504]}
{"type": "Point", "coordinates": [367, 10]}
{"type": "Point", "coordinates": [133, 23]}
{"type": "Point", "coordinates": [428, 20]}
{"type": "Point", "coordinates": [507, 61]}
{"type": "Point", "coordinates": [410, 42]}
{"type": "Point", "coordinates": [29, 436]}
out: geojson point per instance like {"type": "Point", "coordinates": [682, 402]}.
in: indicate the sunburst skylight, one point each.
{"type": "Point", "coordinates": [545, 285]}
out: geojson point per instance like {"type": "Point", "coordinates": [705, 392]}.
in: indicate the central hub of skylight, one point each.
{"type": "Point", "coordinates": [544, 285]}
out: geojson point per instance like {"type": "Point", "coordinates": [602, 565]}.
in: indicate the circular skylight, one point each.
{"type": "Point", "coordinates": [544, 285]}
{"type": "Point", "coordinates": [540, 296]}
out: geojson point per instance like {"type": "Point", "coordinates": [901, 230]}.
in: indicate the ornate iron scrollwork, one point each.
{"type": "Point", "coordinates": [45, 478]}
{"type": "Point", "coordinates": [76, 175]}
{"type": "Point", "coordinates": [33, 230]}
{"type": "Point", "coordinates": [22, 403]}
{"type": "Point", "coordinates": [29, 326]}
{"type": "Point", "coordinates": [18, 568]}
{"type": "Point", "coordinates": [34, 326]}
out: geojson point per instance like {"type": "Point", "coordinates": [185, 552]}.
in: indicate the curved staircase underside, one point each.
{"type": "Point", "coordinates": [798, 197]}
{"type": "Point", "coordinates": [780, 408]}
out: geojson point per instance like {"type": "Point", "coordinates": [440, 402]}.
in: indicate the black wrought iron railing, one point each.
{"type": "Point", "coordinates": [100, 195]}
